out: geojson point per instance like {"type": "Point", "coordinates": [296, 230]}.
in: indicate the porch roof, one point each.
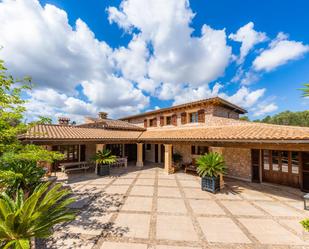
{"type": "Point", "coordinates": [215, 129]}
{"type": "Point", "coordinates": [68, 133]}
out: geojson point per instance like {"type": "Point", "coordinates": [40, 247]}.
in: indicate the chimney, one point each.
{"type": "Point", "coordinates": [63, 121]}
{"type": "Point", "coordinates": [103, 115]}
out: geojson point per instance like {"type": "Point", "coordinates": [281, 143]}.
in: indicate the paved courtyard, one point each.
{"type": "Point", "coordinates": [148, 209]}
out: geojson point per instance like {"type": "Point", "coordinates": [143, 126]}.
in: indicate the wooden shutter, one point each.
{"type": "Point", "coordinates": [155, 123]}
{"type": "Point", "coordinates": [174, 119]}
{"type": "Point", "coordinates": [201, 116]}
{"type": "Point", "coordinates": [183, 118]}
{"type": "Point", "coordinates": [161, 121]}
{"type": "Point", "coordinates": [145, 123]}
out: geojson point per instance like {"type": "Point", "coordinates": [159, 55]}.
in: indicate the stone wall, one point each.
{"type": "Point", "coordinates": [238, 161]}
{"type": "Point", "coordinates": [184, 150]}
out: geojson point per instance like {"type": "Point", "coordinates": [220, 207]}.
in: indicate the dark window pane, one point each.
{"type": "Point", "coordinates": [266, 159]}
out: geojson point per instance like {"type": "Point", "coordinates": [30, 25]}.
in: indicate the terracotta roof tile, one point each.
{"type": "Point", "coordinates": [214, 129]}
{"type": "Point", "coordinates": [111, 124]}
{"type": "Point", "coordinates": [59, 132]}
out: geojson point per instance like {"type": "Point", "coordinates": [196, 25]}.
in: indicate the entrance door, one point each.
{"type": "Point", "coordinates": [131, 152]}
{"type": "Point", "coordinates": [305, 171]}
{"type": "Point", "coordinates": [255, 161]}
{"type": "Point", "coordinates": [156, 153]}
{"type": "Point", "coordinates": [162, 153]}
{"type": "Point", "coordinates": [281, 167]}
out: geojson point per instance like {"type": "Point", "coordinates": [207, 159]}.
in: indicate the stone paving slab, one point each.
{"type": "Point", "coordinates": [242, 208]}
{"type": "Point", "coordinates": [175, 228]}
{"type": "Point", "coordinates": [138, 204]}
{"type": "Point", "coordinates": [149, 209]}
{"type": "Point", "coordinates": [119, 245]}
{"type": "Point", "coordinates": [171, 206]}
{"type": "Point", "coordinates": [278, 209]}
{"type": "Point", "coordinates": [134, 225]}
{"type": "Point", "coordinates": [222, 230]}
{"type": "Point", "coordinates": [268, 231]}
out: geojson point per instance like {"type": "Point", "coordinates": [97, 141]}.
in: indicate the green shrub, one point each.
{"type": "Point", "coordinates": [24, 218]}
{"type": "Point", "coordinates": [21, 174]}
{"type": "Point", "coordinates": [305, 224]}
{"type": "Point", "coordinates": [210, 165]}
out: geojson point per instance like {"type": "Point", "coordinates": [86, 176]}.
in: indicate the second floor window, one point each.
{"type": "Point", "coordinates": [168, 120]}
{"type": "Point", "coordinates": [193, 117]}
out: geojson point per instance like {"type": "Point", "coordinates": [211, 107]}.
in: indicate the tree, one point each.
{"type": "Point", "coordinates": [23, 218]}
{"type": "Point", "coordinates": [12, 121]}
{"type": "Point", "coordinates": [11, 109]}
{"type": "Point", "coordinates": [244, 118]}
{"type": "Point", "coordinates": [305, 90]}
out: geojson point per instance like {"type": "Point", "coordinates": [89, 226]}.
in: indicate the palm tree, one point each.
{"type": "Point", "coordinates": [104, 157]}
{"type": "Point", "coordinates": [305, 90]}
{"type": "Point", "coordinates": [210, 165]}
{"type": "Point", "coordinates": [22, 219]}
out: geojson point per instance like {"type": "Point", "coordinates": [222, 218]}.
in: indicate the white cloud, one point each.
{"type": "Point", "coordinates": [194, 94]}
{"type": "Point", "coordinates": [248, 38]}
{"type": "Point", "coordinates": [176, 56]}
{"type": "Point", "coordinates": [244, 97]}
{"type": "Point", "coordinates": [39, 41]}
{"type": "Point", "coordinates": [265, 108]}
{"type": "Point", "coordinates": [280, 51]}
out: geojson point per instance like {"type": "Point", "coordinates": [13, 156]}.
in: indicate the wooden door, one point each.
{"type": "Point", "coordinates": [305, 171]}
{"type": "Point", "coordinates": [156, 153]}
{"type": "Point", "coordinates": [255, 162]}
{"type": "Point", "coordinates": [281, 167]}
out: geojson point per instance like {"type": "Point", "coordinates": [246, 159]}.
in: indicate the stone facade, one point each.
{"type": "Point", "coordinates": [214, 110]}
{"type": "Point", "coordinates": [238, 161]}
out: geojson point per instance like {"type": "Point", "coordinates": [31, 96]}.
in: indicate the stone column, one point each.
{"type": "Point", "coordinates": [168, 158]}
{"type": "Point", "coordinates": [139, 162]}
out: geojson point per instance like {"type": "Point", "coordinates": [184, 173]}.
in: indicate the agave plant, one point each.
{"type": "Point", "coordinates": [104, 157]}
{"type": "Point", "coordinates": [22, 219]}
{"type": "Point", "coordinates": [20, 174]}
{"type": "Point", "coordinates": [211, 165]}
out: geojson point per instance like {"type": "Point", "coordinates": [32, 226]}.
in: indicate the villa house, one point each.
{"type": "Point", "coordinates": [252, 151]}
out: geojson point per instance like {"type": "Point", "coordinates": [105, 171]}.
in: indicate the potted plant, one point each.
{"type": "Point", "coordinates": [209, 168]}
{"type": "Point", "coordinates": [177, 158]}
{"type": "Point", "coordinates": [104, 159]}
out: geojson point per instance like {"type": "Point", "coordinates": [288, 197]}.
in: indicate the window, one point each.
{"type": "Point", "coordinates": [295, 162]}
{"type": "Point", "coordinates": [169, 120]}
{"type": "Point", "coordinates": [193, 117]}
{"type": "Point", "coordinates": [193, 149]}
{"type": "Point", "coordinates": [70, 152]}
{"type": "Point", "coordinates": [266, 159]}
{"type": "Point", "coordinates": [284, 161]}
{"type": "Point", "coordinates": [148, 146]}
{"type": "Point", "coordinates": [199, 150]}
{"type": "Point", "coordinates": [153, 122]}
{"type": "Point", "coordinates": [275, 160]}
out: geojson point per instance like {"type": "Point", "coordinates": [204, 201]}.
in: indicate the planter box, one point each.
{"type": "Point", "coordinates": [103, 170]}
{"type": "Point", "coordinates": [210, 184]}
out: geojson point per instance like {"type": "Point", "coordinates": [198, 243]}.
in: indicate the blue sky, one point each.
{"type": "Point", "coordinates": [129, 56]}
